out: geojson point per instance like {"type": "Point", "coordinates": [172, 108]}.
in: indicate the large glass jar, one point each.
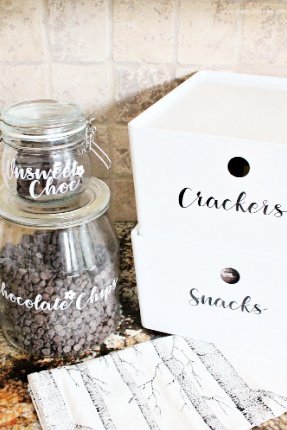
{"type": "Point", "coordinates": [46, 150]}
{"type": "Point", "coordinates": [58, 274]}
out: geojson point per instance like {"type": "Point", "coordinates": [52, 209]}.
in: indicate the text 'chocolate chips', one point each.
{"type": "Point", "coordinates": [50, 308]}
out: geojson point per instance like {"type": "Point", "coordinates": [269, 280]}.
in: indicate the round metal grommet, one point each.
{"type": "Point", "coordinates": [229, 275]}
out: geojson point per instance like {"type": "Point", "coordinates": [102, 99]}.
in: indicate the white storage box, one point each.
{"type": "Point", "coordinates": [210, 169]}
{"type": "Point", "coordinates": [180, 291]}
{"type": "Point", "coordinates": [188, 138]}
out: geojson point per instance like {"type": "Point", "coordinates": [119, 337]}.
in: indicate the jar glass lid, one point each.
{"type": "Point", "coordinates": [42, 117]}
{"type": "Point", "coordinates": [91, 204]}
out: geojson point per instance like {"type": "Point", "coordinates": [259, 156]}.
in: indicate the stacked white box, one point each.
{"type": "Point", "coordinates": [195, 218]}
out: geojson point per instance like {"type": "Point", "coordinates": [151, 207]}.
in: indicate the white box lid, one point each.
{"type": "Point", "coordinates": [223, 104]}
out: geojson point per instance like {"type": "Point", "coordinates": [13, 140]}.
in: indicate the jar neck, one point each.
{"type": "Point", "coordinates": [91, 204]}
{"type": "Point", "coordinates": [19, 140]}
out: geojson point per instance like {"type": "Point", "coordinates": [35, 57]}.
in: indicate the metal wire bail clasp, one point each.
{"type": "Point", "coordinates": [94, 147]}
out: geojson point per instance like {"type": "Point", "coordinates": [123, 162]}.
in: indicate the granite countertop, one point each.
{"type": "Point", "coordinates": [17, 411]}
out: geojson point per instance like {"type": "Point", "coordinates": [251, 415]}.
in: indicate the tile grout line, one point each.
{"type": "Point", "coordinates": [175, 37]}
{"type": "Point", "coordinates": [240, 24]}
{"type": "Point", "coordinates": [47, 48]}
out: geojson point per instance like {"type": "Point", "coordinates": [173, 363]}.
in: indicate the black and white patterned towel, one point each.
{"type": "Point", "coordinates": [166, 384]}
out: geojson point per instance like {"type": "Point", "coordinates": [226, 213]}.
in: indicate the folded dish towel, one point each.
{"type": "Point", "coordinates": [166, 384]}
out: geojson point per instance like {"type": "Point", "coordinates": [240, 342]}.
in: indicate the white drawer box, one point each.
{"type": "Point", "coordinates": [210, 169]}
{"type": "Point", "coordinates": [200, 138]}
{"type": "Point", "coordinates": [181, 292]}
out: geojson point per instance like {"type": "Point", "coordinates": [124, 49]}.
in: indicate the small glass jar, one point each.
{"type": "Point", "coordinates": [58, 274]}
{"type": "Point", "coordinates": [46, 150]}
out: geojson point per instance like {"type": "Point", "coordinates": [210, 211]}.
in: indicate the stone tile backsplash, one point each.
{"type": "Point", "coordinates": [117, 57]}
{"type": "Point", "coordinates": [143, 31]}
{"type": "Point", "coordinates": [78, 30]}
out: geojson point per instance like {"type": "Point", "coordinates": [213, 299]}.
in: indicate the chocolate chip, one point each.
{"type": "Point", "coordinates": [45, 275]}
{"type": "Point", "coordinates": [77, 347]}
